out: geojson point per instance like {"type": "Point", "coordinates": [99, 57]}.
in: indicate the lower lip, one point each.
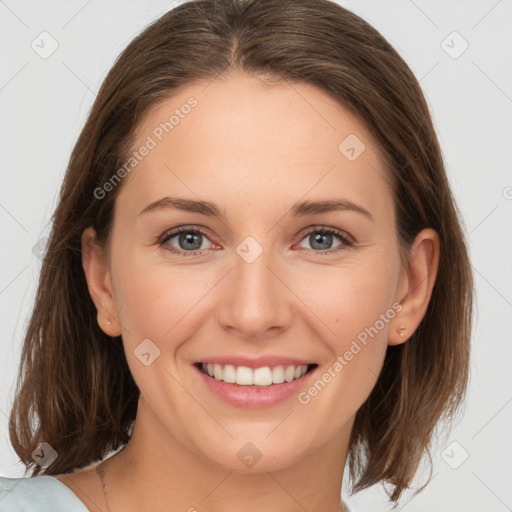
{"type": "Point", "coordinates": [248, 396]}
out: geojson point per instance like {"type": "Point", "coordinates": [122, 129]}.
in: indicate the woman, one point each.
{"type": "Point", "coordinates": [256, 275]}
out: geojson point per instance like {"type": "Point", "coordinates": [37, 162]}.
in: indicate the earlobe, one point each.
{"type": "Point", "coordinates": [98, 282]}
{"type": "Point", "coordinates": [418, 283]}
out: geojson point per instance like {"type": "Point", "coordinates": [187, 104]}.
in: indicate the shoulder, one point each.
{"type": "Point", "coordinates": [37, 494]}
{"type": "Point", "coordinates": [347, 507]}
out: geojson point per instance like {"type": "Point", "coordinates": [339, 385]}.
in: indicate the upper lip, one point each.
{"type": "Point", "coordinates": [256, 362]}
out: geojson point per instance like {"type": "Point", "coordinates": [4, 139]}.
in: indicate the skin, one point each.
{"type": "Point", "coordinates": [253, 149]}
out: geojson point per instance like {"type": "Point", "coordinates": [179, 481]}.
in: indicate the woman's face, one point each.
{"type": "Point", "coordinates": [260, 280]}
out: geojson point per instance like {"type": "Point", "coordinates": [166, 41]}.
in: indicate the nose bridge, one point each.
{"type": "Point", "coordinates": [252, 268]}
{"type": "Point", "coordinates": [254, 299]}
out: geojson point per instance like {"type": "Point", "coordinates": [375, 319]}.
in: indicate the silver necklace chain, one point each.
{"type": "Point", "coordinates": [101, 473]}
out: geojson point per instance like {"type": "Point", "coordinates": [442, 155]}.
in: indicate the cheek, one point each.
{"type": "Point", "coordinates": [353, 306]}
{"type": "Point", "coordinates": [157, 301]}
{"type": "Point", "coordinates": [160, 303]}
{"type": "Point", "coordinates": [348, 298]}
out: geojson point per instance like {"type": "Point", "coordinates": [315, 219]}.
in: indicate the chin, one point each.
{"type": "Point", "coordinates": [246, 456]}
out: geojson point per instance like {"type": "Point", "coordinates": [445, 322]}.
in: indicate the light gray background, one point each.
{"type": "Point", "coordinates": [44, 103]}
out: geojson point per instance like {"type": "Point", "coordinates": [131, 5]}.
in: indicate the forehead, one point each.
{"type": "Point", "coordinates": [237, 139]}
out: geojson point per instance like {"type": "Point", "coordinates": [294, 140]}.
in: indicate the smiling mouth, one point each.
{"type": "Point", "coordinates": [263, 377]}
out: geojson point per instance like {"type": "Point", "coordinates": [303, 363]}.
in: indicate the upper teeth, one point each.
{"type": "Point", "coordinates": [244, 376]}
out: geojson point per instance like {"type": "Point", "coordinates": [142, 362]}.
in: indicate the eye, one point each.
{"type": "Point", "coordinates": [321, 239]}
{"type": "Point", "coordinates": [189, 241]}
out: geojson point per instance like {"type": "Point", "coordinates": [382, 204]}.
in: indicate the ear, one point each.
{"type": "Point", "coordinates": [95, 266]}
{"type": "Point", "coordinates": [415, 287]}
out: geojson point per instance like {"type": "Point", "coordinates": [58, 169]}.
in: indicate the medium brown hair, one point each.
{"type": "Point", "coordinates": [74, 388]}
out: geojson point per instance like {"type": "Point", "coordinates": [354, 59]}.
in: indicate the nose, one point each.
{"type": "Point", "coordinates": [255, 302]}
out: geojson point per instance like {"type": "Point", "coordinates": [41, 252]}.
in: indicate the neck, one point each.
{"type": "Point", "coordinates": [157, 469]}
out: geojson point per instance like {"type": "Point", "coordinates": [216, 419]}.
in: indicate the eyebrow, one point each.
{"type": "Point", "coordinates": [299, 209]}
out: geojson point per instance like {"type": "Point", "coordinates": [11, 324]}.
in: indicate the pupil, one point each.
{"type": "Point", "coordinates": [189, 238]}
{"type": "Point", "coordinates": [318, 238]}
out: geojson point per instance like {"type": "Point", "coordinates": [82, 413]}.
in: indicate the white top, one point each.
{"type": "Point", "coordinates": [45, 493]}
{"type": "Point", "coordinates": [38, 494]}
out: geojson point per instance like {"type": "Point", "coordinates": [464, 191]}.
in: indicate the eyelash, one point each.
{"type": "Point", "coordinates": [347, 241]}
